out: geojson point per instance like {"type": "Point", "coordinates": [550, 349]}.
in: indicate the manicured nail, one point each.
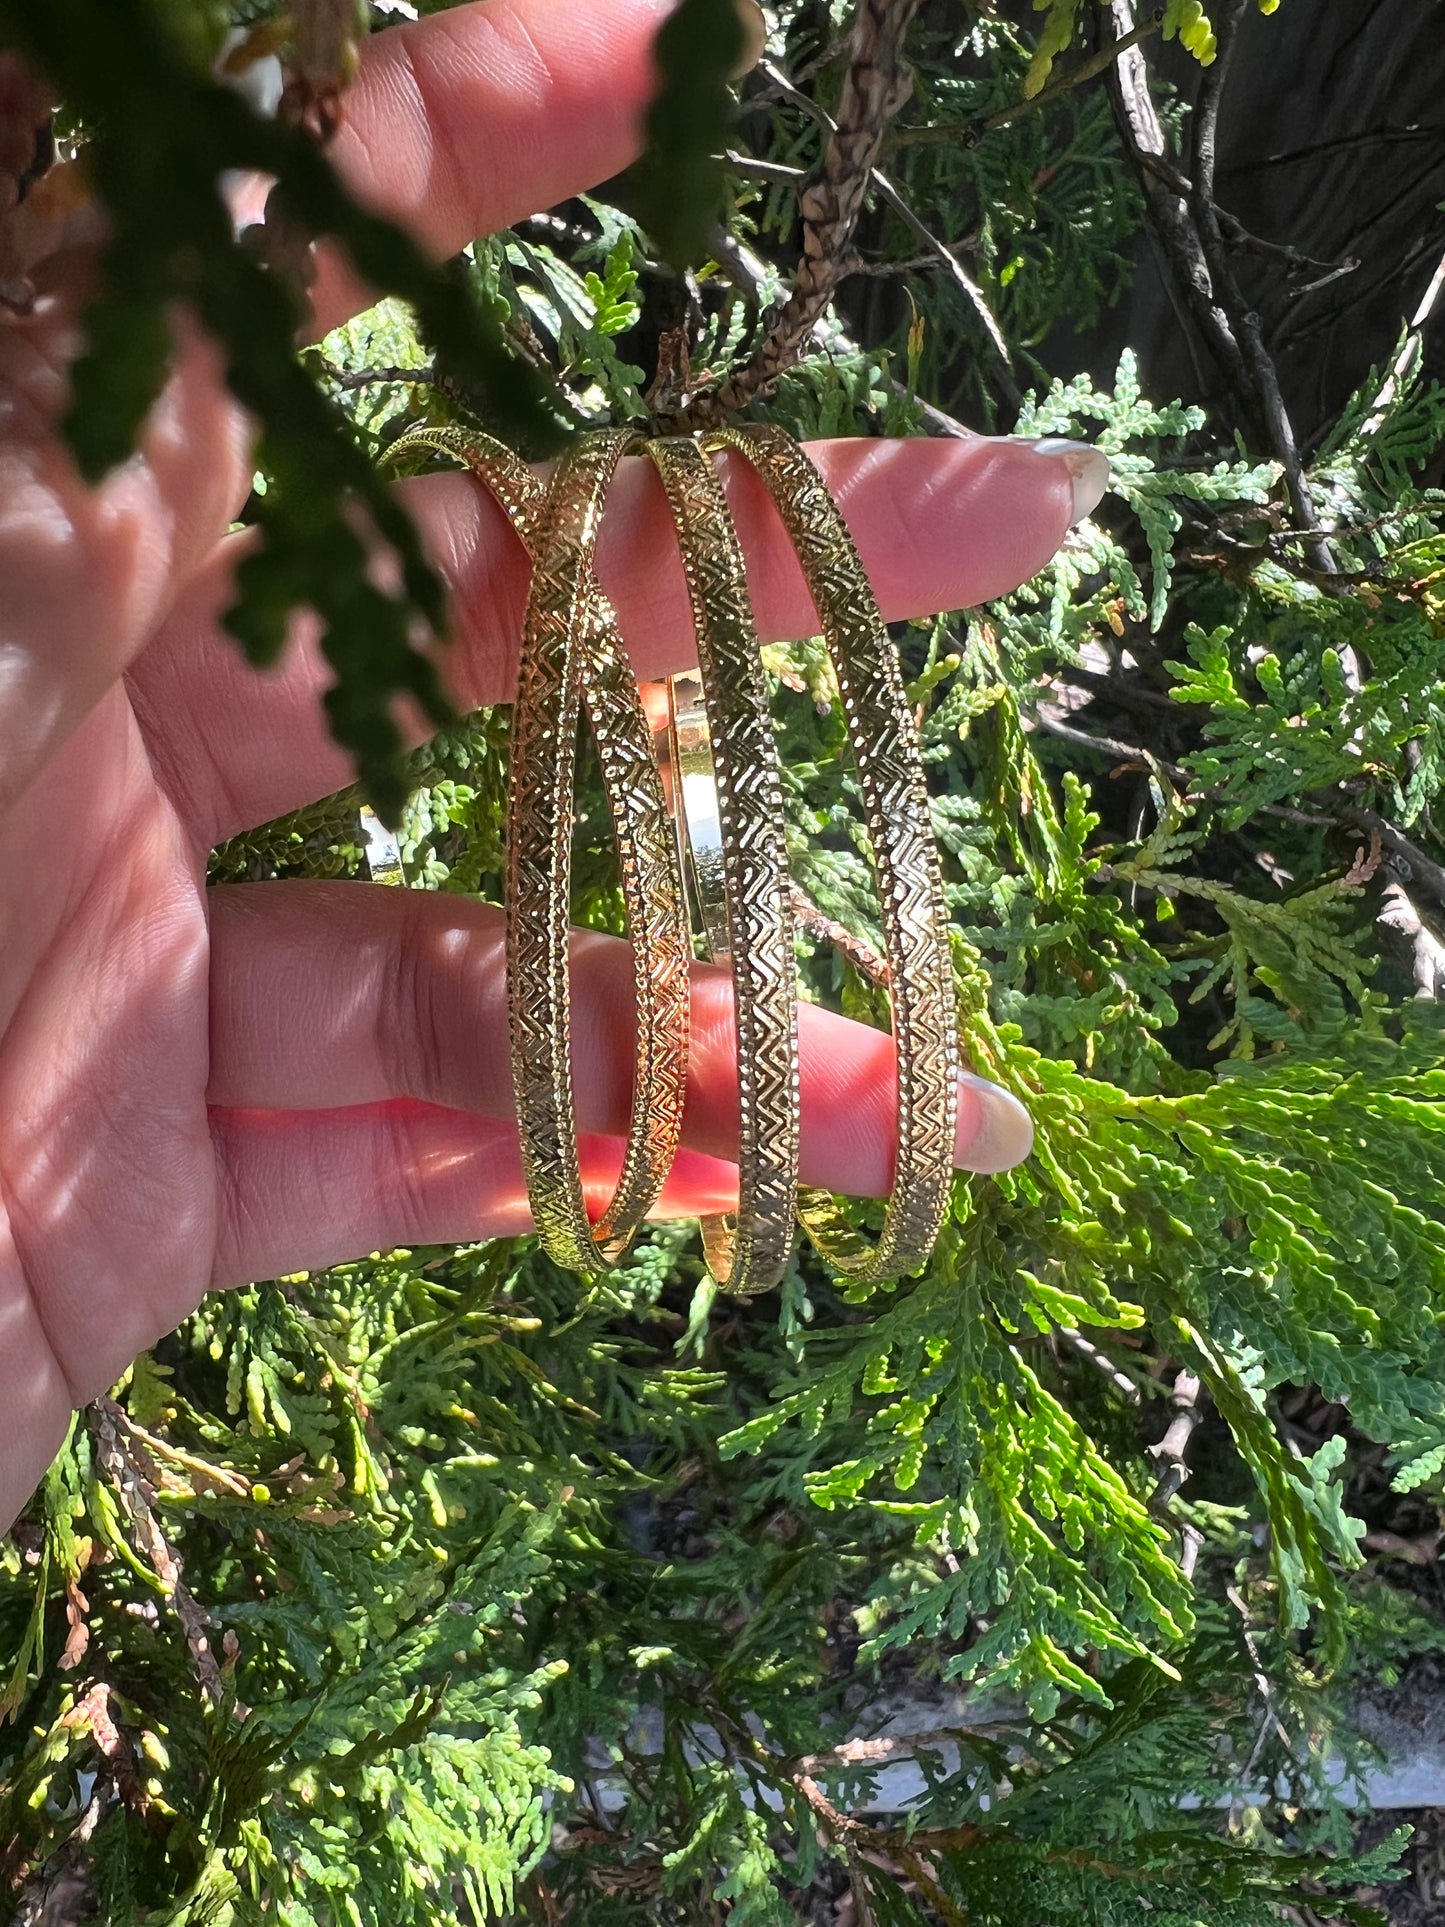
{"type": "Point", "coordinates": [1088, 469]}
{"type": "Point", "coordinates": [755, 36]}
{"type": "Point", "coordinates": [995, 1132]}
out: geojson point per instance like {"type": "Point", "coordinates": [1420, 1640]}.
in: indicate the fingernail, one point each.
{"type": "Point", "coordinates": [1088, 469]}
{"type": "Point", "coordinates": [755, 36]}
{"type": "Point", "coordinates": [995, 1132]}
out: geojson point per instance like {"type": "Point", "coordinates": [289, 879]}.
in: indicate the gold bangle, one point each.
{"type": "Point", "coordinates": [895, 801]}
{"type": "Point", "coordinates": [723, 741]}
{"type": "Point", "coordinates": [689, 781]}
{"type": "Point", "coordinates": [571, 647]}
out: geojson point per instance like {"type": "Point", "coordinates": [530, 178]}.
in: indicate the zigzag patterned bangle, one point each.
{"type": "Point", "coordinates": [895, 801]}
{"type": "Point", "coordinates": [571, 649]}
{"type": "Point", "coordinates": [727, 804]}
{"type": "Point", "coordinates": [728, 797]}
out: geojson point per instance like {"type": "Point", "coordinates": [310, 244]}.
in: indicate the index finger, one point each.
{"type": "Point", "coordinates": [471, 119]}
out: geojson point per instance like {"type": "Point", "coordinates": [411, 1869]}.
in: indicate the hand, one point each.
{"type": "Point", "coordinates": [199, 1088]}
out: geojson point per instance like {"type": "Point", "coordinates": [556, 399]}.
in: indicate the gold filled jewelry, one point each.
{"type": "Point", "coordinates": [571, 650]}
{"type": "Point", "coordinates": [728, 797]}
{"type": "Point", "coordinates": [723, 842]}
{"type": "Point", "coordinates": [895, 801]}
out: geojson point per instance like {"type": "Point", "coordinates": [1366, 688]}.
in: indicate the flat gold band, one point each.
{"type": "Point", "coordinates": [725, 835]}
{"type": "Point", "coordinates": [739, 866]}
{"type": "Point", "coordinates": [895, 800]}
{"type": "Point", "coordinates": [571, 651]}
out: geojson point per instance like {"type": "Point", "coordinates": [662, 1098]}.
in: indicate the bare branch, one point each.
{"type": "Point", "coordinates": [1169, 1452]}
{"type": "Point", "coordinates": [1175, 231]}
{"type": "Point", "coordinates": [863, 957]}
{"type": "Point", "coordinates": [1100, 1360]}
{"type": "Point", "coordinates": [1398, 913]}
{"type": "Point", "coordinates": [131, 1472]}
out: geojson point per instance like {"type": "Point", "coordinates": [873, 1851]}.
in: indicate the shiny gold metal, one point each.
{"type": "Point", "coordinates": [725, 833]}
{"type": "Point", "coordinates": [728, 794]}
{"type": "Point", "coordinates": [895, 802]}
{"type": "Point", "coordinates": [571, 651]}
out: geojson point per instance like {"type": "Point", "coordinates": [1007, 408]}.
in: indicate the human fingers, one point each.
{"type": "Point", "coordinates": [940, 525]}
{"type": "Point", "coordinates": [86, 574]}
{"type": "Point", "coordinates": [35, 1399]}
{"type": "Point", "coordinates": [327, 995]}
{"type": "Point", "coordinates": [305, 1189]}
{"type": "Point", "coordinates": [457, 124]}
{"type": "Point", "coordinates": [466, 121]}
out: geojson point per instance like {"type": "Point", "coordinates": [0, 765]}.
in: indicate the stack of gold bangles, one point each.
{"type": "Point", "coordinates": [699, 831]}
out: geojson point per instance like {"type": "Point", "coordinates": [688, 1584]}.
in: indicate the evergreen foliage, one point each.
{"type": "Point", "coordinates": [502, 1600]}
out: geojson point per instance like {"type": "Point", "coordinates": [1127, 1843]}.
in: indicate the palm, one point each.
{"type": "Point", "coordinates": [107, 1166]}
{"type": "Point", "coordinates": [197, 1089]}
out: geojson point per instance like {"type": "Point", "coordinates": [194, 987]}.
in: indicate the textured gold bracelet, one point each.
{"type": "Point", "coordinates": [571, 649]}
{"type": "Point", "coordinates": [895, 802]}
{"type": "Point", "coordinates": [740, 868]}
{"type": "Point", "coordinates": [728, 810]}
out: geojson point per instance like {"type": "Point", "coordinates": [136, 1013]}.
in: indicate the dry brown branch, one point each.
{"type": "Point", "coordinates": [875, 87]}
{"type": "Point", "coordinates": [749, 275]}
{"type": "Point", "coordinates": [134, 1476]}
{"type": "Point", "coordinates": [839, 1825]}
{"type": "Point", "coordinates": [863, 957]}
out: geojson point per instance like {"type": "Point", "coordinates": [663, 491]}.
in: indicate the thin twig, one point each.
{"type": "Point", "coordinates": [1261, 1683]}
{"type": "Point", "coordinates": [1169, 1452]}
{"type": "Point", "coordinates": [1002, 373]}
{"type": "Point", "coordinates": [969, 133]}
{"type": "Point", "coordinates": [1408, 360]}
{"type": "Point", "coordinates": [1410, 859]}
{"type": "Point", "coordinates": [1191, 1545]}
{"type": "Point", "coordinates": [130, 1473]}
{"type": "Point", "coordinates": [1100, 1360]}
{"type": "Point", "coordinates": [863, 957]}
{"type": "Point", "coordinates": [749, 275]}
{"type": "Point", "coordinates": [939, 250]}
